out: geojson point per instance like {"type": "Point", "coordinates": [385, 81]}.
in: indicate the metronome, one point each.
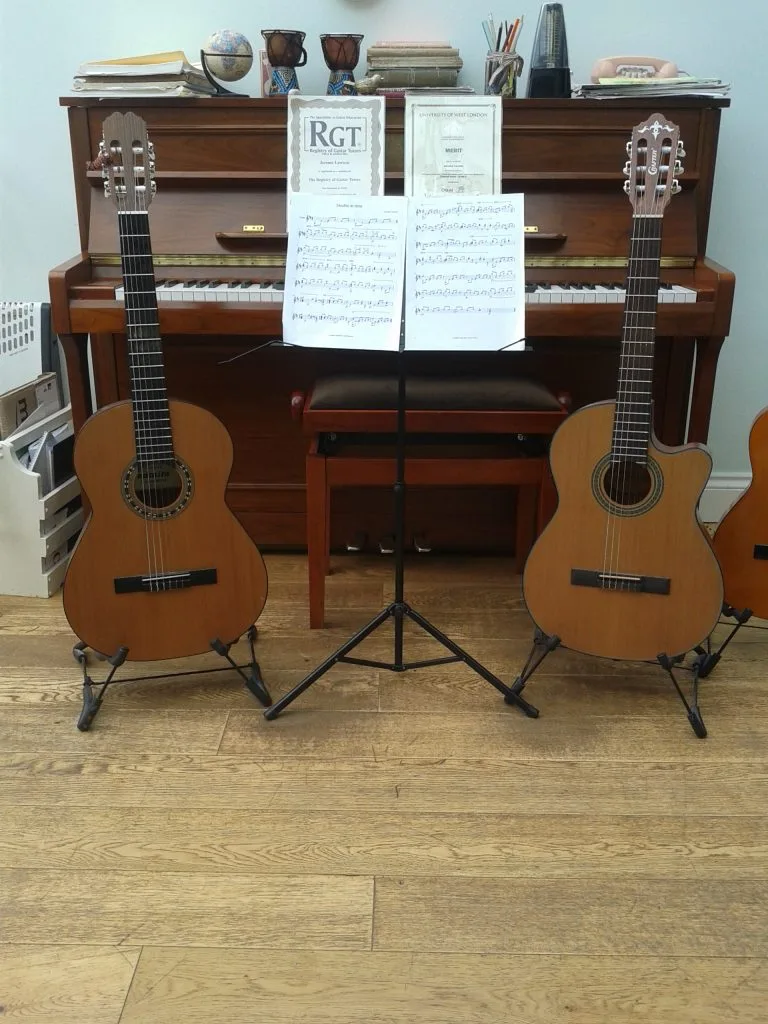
{"type": "Point", "coordinates": [550, 76]}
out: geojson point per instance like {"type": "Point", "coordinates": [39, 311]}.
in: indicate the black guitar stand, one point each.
{"type": "Point", "coordinates": [544, 644]}
{"type": "Point", "coordinates": [398, 609]}
{"type": "Point", "coordinates": [93, 693]}
{"type": "Point", "coordinates": [709, 658]}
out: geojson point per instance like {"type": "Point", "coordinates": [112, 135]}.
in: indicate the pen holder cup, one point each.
{"type": "Point", "coordinates": [502, 71]}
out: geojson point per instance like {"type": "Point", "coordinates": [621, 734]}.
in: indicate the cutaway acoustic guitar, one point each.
{"type": "Point", "coordinates": [162, 567]}
{"type": "Point", "coordinates": [624, 569]}
{"type": "Point", "coordinates": [741, 538]}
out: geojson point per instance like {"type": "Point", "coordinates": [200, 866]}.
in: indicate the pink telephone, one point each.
{"type": "Point", "coordinates": [633, 67]}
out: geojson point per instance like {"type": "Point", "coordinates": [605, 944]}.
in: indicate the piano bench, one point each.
{"type": "Point", "coordinates": [341, 412]}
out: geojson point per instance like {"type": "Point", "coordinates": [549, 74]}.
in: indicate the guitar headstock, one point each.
{"type": "Point", "coordinates": [654, 151]}
{"type": "Point", "coordinates": [127, 162]}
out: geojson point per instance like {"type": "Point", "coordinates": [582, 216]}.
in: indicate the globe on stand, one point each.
{"type": "Point", "coordinates": [226, 55]}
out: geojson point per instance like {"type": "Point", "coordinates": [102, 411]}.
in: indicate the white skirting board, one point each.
{"type": "Point", "coordinates": [720, 493]}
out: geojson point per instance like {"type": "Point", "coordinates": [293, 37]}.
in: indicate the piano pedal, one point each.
{"type": "Point", "coordinates": [357, 543]}
{"type": "Point", "coordinates": [421, 544]}
{"type": "Point", "coordinates": [387, 545]}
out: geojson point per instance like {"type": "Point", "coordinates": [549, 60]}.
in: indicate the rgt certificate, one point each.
{"type": "Point", "coordinates": [452, 145]}
{"type": "Point", "coordinates": [335, 145]}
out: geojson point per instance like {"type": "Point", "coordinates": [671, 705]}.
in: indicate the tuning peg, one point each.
{"type": "Point", "coordinates": [680, 150]}
{"type": "Point", "coordinates": [627, 187]}
{"type": "Point", "coordinates": [626, 168]}
{"type": "Point", "coordinates": [678, 167]}
{"type": "Point", "coordinates": [629, 149]}
{"type": "Point", "coordinates": [675, 186]}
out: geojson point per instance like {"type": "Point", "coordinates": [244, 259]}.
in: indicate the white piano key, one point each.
{"type": "Point", "coordinates": [250, 291]}
{"type": "Point", "coordinates": [683, 294]}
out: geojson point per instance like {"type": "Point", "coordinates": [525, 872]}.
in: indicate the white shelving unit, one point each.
{"type": "Point", "coordinates": [34, 527]}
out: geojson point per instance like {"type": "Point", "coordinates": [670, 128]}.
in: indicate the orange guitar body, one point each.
{"type": "Point", "coordinates": [195, 533]}
{"type": "Point", "coordinates": [658, 537]}
{"type": "Point", "coordinates": [744, 528]}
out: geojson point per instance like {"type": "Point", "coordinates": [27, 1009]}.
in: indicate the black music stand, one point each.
{"type": "Point", "coordinates": [399, 609]}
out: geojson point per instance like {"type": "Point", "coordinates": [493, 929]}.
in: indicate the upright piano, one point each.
{"type": "Point", "coordinates": [218, 229]}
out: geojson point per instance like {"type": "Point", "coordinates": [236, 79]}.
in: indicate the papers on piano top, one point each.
{"type": "Point", "coordinates": [346, 272]}
{"type": "Point", "coordinates": [682, 85]}
{"type": "Point", "coordinates": [164, 74]}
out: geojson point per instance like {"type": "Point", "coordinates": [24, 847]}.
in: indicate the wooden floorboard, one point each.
{"type": "Point", "coordinates": [65, 984]}
{"type": "Point", "coordinates": [471, 786]}
{"type": "Point", "coordinates": [198, 986]}
{"type": "Point", "coordinates": [631, 917]}
{"type": "Point", "coordinates": [395, 847]}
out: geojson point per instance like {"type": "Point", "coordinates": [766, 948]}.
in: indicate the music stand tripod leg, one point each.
{"type": "Point", "coordinates": [398, 609]}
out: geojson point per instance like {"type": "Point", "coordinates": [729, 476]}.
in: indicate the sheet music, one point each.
{"type": "Point", "coordinates": [465, 273]}
{"type": "Point", "coordinates": [344, 271]}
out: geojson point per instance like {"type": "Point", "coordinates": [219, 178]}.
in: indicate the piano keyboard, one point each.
{"type": "Point", "coordinates": [272, 291]}
{"type": "Point", "coordinates": [570, 293]}
{"type": "Point", "coordinates": [215, 291]}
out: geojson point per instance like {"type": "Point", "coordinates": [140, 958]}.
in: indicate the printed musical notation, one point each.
{"type": "Point", "coordinates": [465, 273]}
{"type": "Point", "coordinates": [344, 271]}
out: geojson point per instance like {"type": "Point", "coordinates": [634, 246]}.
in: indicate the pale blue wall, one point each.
{"type": "Point", "coordinates": [44, 40]}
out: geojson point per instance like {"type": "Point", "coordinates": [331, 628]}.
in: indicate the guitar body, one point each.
{"type": "Point", "coordinates": [743, 532]}
{"type": "Point", "coordinates": [658, 537]}
{"type": "Point", "coordinates": [197, 531]}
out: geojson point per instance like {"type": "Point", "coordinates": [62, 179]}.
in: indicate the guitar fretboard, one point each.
{"type": "Point", "coordinates": [633, 419]}
{"type": "Point", "coordinates": [151, 416]}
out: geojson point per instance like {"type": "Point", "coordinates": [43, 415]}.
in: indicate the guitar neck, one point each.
{"type": "Point", "coordinates": [151, 415]}
{"type": "Point", "coordinates": [634, 401]}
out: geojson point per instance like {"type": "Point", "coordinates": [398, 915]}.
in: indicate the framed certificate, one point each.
{"type": "Point", "coordinates": [452, 145]}
{"type": "Point", "coordinates": [335, 145]}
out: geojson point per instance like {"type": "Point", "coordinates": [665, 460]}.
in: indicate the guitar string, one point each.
{"type": "Point", "coordinates": [632, 389]}
{"type": "Point", "coordinates": [624, 426]}
{"type": "Point", "coordinates": [136, 320]}
{"type": "Point", "coordinates": [615, 456]}
{"type": "Point", "coordinates": [153, 349]}
{"type": "Point", "coordinates": [639, 390]}
{"type": "Point", "coordinates": [122, 205]}
{"type": "Point", "coordinates": [140, 255]}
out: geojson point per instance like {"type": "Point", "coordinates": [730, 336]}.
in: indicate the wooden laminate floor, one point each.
{"type": "Point", "coordinates": [394, 848]}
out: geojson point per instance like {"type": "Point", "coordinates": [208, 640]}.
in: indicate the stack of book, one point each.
{"type": "Point", "coordinates": [153, 74]}
{"type": "Point", "coordinates": [406, 65]}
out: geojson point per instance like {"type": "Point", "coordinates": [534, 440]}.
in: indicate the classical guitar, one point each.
{"type": "Point", "coordinates": [624, 569]}
{"type": "Point", "coordinates": [162, 566]}
{"type": "Point", "coordinates": [741, 538]}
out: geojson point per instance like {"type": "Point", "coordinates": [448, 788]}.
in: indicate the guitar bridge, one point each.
{"type": "Point", "coordinates": [620, 581]}
{"type": "Point", "coordinates": [160, 581]}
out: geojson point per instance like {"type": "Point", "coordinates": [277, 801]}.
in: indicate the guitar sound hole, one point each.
{"type": "Point", "coordinates": [158, 484]}
{"type": "Point", "coordinates": [627, 482]}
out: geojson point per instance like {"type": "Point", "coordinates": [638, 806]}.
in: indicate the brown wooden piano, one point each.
{"type": "Point", "coordinates": [218, 236]}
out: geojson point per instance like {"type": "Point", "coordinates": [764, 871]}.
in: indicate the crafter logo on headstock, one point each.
{"type": "Point", "coordinates": [344, 136]}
